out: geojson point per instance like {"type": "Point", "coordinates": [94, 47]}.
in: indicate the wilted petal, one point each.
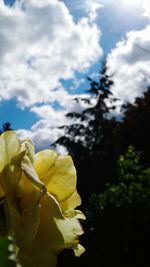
{"type": "Point", "coordinates": [28, 147]}
{"type": "Point", "coordinates": [79, 250]}
{"type": "Point", "coordinates": [31, 174]}
{"type": "Point", "coordinates": [74, 213]}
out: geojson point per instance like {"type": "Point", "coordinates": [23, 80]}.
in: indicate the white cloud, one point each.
{"type": "Point", "coordinates": [40, 44]}
{"type": "Point", "coordinates": [92, 7]}
{"type": "Point", "coordinates": [129, 63]}
{"type": "Point", "coordinates": [46, 131]}
{"type": "Point", "coordinates": [42, 137]}
{"type": "Point", "coordinates": [146, 8]}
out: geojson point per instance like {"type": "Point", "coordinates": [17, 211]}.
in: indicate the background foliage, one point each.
{"type": "Point", "coordinates": [115, 189]}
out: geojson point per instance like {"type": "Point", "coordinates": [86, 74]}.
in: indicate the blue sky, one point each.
{"type": "Point", "coordinates": [47, 50]}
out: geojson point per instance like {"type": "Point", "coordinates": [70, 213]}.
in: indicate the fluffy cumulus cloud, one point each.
{"type": "Point", "coordinates": [92, 7]}
{"type": "Point", "coordinates": [129, 63]}
{"type": "Point", "coordinates": [146, 8]}
{"type": "Point", "coordinates": [46, 130]}
{"type": "Point", "coordinates": [41, 44]}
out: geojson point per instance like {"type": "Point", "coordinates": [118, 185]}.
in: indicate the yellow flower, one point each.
{"type": "Point", "coordinates": [41, 197]}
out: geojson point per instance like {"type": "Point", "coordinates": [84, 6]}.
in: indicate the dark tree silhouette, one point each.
{"type": "Point", "coordinates": [117, 226]}
{"type": "Point", "coordinates": [136, 126]}
{"type": "Point", "coordinates": [92, 140]}
{"type": "Point", "coordinates": [6, 127]}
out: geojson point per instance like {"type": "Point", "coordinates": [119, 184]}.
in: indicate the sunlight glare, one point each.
{"type": "Point", "coordinates": [132, 3]}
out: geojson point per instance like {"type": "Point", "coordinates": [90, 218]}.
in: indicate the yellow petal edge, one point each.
{"type": "Point", "coordinates": [40, 194]}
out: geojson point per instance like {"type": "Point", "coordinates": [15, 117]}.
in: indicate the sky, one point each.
{"type": "Point", "coordinates": [48, 48]}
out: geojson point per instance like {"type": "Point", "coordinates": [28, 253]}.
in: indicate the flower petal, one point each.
{"type": "Point", "coordinates": [55, 233]}
{"type": "Point", "coordinates": [9, 148]}
{"type": "Point", "coordinates": [41, 228]}
{"type": "Point", "coordinates": [23, 193]}
{"type": "Point", "coordinates": [71, 202]}
{"type": "Point", "coordinates": [26, 225]}
{"type": "Point", "coordinates": [62, 183]}
{"type": "Point", "coordinates": [23, 207]}
{"type": "Point", "coordinates": [57, 173]}
{"type": "Point", "coordinates": [43, 164]}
